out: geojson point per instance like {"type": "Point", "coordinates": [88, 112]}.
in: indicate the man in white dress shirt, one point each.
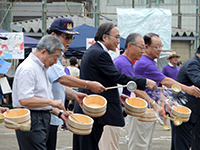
{"type": "Point", "coordinates": [32, 90]}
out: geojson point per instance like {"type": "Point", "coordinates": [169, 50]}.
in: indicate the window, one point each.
{"type": "Point", "coordinates": [163, 2]}
{"type": "Point", "coordinates": [119, 2]}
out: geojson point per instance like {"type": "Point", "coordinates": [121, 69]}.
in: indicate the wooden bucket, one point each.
{"type": "Point", "coordinates": [1, 118]}
{"type": "Point", "coordinates": [135, 106]}
{"type": "Point", "coordinates": [181, 112]}
{"type": "Point", "coordinates": [149, 116]}
{"type": "Point", "coordinates": [94, 105]}
{"type": "Point", "coordinates": [82, 128]}
{"type": "Point", "coordinates": [19, 115]}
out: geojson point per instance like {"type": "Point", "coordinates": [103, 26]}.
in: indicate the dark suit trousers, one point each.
{"type": "Point", "coordinates": [52, 138]}
{"type": "Point", "coordinates": [88, 142]}
{"type": "Point", "coordinates": [188, 133]}
{"type": "Point", "coordinates": [36, 138]}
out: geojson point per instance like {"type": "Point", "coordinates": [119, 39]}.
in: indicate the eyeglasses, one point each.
{"type": "Point", "coordinates": [142, 48]}
{"type": "Point", "coordinates": [116, 36]}
{"type": "Point", "coordinates": [68, 38]}
{"type": "Point", "coordinates": [157, 47]}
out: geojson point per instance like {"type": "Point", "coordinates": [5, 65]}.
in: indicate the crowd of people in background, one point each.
{"type": "Point", "coordinates": [47, 86]}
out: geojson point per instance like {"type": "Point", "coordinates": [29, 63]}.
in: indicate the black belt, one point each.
{"type": "Point", "coordinates": [44, 111]}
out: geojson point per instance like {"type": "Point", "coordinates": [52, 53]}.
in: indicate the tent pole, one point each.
{"type": "Point", "coordinates": [96, 16]}
{"type": "Point", "coordinates": [44, 17]}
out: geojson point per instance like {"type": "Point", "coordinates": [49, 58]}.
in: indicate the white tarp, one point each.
{"type": "Point", "coordinates": [162, 60]}
{"type": "Point", "coordinates": [143, 21]}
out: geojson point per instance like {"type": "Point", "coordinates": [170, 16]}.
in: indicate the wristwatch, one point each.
{"type": "Point", "coordinates": [60, 113]}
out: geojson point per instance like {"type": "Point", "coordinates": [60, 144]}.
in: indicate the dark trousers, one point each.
{"type": "Point", "coordinates": [186, 135]}
{"type": "Point", "coordinates": [52, 138]}
{"type": "Point", "coordinates": [196, 136]}
{"type": "Point", "coordinates": [88, 142]}
{"type": "Point", "coordinates": [36, 138]}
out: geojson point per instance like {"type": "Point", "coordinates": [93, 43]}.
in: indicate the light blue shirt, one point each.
{"type": "Point", "coordinates": [54, 73]}
{"type": "Point", "coordinates": [31, 81]}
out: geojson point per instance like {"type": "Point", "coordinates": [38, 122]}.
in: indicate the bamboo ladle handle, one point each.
{"type": "Point", "coordinates": [165, 88]}
{"type": "Point", "coordinates": [72, 116]}
{"type": "Point", "coordinates": [176, 121]}
{"type": "Point", "coordinates": [9, 121]}
{"type": "Point", "coordinates": [114, 87]}
{"type": "Point", "coordinates": [169, 118]}
{"type": "Point", "coordinates": [23, 127]}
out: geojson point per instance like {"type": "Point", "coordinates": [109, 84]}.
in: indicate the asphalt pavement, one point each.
{"type": "Point", "coordinates": [8, 141]}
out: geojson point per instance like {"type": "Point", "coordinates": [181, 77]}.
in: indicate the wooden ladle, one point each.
{"type": "Point", "coordinates": [175, 88]}
{"type": "Point", "coordinates": [176, 121]}
{"type": "Point", "coordinates": [74, 117]}
{"type": "Point", "coordinates": [131, 86]}
{"type": "Point", "coordinates": [1, 118]}
{"type": "Point", "coordinates": [22, 127]}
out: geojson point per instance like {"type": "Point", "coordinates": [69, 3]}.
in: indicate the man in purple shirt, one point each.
{"type": "Point", "coordinates": [124, 65]}
{"type": "Point", "coordinates": [134, 48]}
{"type": "Point", "coordinates": [170, 70]}
{"type": "Point", "coordinates": [146, 67]}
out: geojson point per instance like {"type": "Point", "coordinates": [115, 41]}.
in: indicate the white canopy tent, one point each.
{"type": "Point", "coordinates": [162, 60]}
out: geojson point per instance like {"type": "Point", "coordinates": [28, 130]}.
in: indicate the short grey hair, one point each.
{"type": "Point", "coordinates": [131, 38]}
{"type": "Point", "coordinates": [51, 43]}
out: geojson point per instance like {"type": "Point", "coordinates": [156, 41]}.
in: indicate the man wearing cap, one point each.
{"type": "Point", "coordinates": [63, 29]}
{"type": "Point", "coordinates": [170, 70]}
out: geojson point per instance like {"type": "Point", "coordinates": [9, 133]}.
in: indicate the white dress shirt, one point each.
{"type": "Point", "coordinates": [31, 81]}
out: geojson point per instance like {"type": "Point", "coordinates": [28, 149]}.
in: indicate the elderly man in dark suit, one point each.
{"type": "Point", "coordinates": [97, 65]}
{"type": "Point", "coordinates": [187, 135]}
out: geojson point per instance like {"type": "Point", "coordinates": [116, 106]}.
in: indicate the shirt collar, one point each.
{"type": "Point", "coordinates": [171, 65]}
{"type": "Point", "coordinates": [103, 46]}
{"type": "Point", "coordinates": [37, 60]}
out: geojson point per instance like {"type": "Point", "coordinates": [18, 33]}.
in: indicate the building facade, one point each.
{"type": "Point", "coordinates": [27, 13]}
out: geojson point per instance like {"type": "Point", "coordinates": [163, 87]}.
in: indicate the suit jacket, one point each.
{"type": "Point", "coordinates": [189, 75]}
{"type": "Point", "coordinates": [97, 65]}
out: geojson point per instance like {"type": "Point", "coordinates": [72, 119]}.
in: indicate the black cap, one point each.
{"type": "Point", "coordinates": [64, 25]}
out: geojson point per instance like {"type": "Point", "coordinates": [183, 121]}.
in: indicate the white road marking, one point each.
{"type": "Point", "coordinates": [7, 133]}
{"type": "Point", "coordinates": [65, 148]}
{"type": "Point", "coordinates": [161, 138]}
